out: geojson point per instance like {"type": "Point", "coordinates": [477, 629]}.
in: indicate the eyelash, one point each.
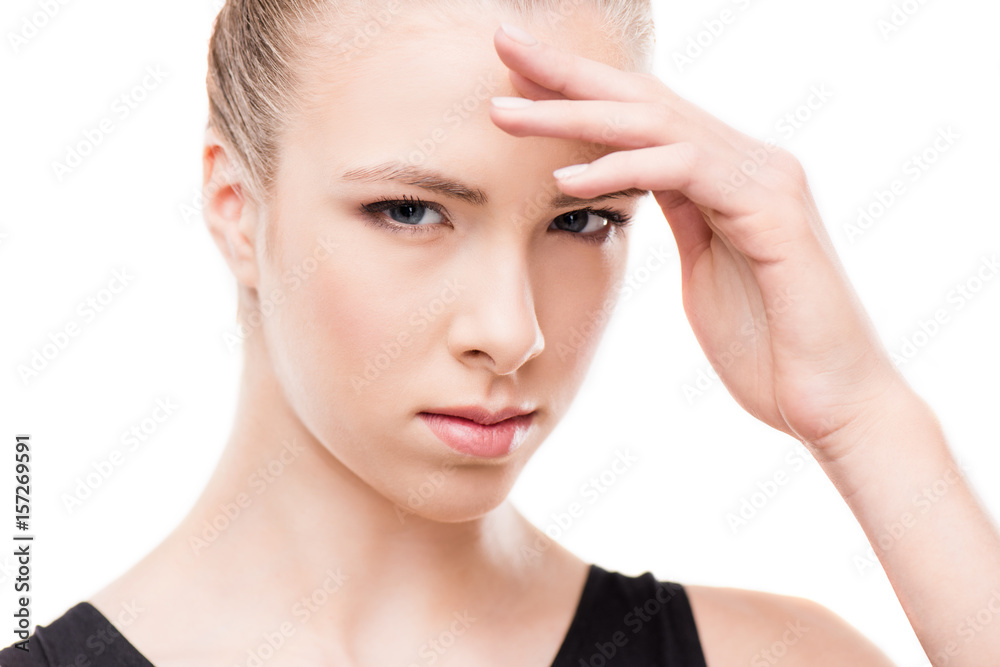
{"type": "Point", "coordinates": [372, 210]}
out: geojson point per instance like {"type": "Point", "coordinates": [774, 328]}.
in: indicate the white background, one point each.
{"type": "Point", "coordinates": [132, 205]}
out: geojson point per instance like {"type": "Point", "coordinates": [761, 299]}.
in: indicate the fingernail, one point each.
{"type": "Point", "coordinates": [518, 35]}
{"type": "Point", "coordinates": [569, 172]}
{"type": "Point", "coordinates": [511, 102]}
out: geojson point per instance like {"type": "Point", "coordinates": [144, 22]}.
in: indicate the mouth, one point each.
{"type": "Point", "coordinates": [478, 432]}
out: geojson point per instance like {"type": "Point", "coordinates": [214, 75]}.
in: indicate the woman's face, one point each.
{"type": "Point", "coordinates": [488, 294]}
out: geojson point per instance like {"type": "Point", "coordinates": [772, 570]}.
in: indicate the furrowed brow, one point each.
{"type": "Point", "coordinates": [434, 181]}
{"type": "Point", "coordinates": [419, 177]}
{"type": "Point", "coordinates": [563, 200]}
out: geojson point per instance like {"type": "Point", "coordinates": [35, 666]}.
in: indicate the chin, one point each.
{"type": "Point", "coordinates": [456, 492]}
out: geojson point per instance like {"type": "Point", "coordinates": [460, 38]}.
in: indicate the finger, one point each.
{"type": "Point", "coordinates": [767, 225]}
{"type": "Point", "coordinates": [625, 124]}
{"type": "Point", "coordinates": [531, 90]}
{"type": "Point", "coordinates": [689, 226]}
{"type": "Point", "coordinates": [696, 171]}
{"type": "Point", "coordinates": [543, 72]}
{"type": "Point", "coordinates": [571, 75]}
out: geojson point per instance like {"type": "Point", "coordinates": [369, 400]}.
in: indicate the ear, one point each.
{"type": "Point", "coordinates": [231, 216]}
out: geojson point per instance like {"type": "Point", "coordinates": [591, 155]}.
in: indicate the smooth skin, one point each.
{"type": "Point", "coordinates": [384, 575]}
{"type": "Point", "coordinates": [817, 371]}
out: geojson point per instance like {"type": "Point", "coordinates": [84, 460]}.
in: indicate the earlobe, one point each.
{"type": "Point", "coordinates": [231, 217]}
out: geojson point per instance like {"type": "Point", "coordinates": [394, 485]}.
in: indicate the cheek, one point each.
{"type": "Point", "coordinates": [353, 330]}
{"type": "Point", "coordinates": [581, 290]}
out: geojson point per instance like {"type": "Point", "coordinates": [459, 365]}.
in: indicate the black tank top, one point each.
{"type": "Point", "coordinates": [619, 620]}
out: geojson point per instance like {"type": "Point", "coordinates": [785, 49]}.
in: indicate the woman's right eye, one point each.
{"type": "Point", "coordinates": [406, 212]}
{"type": "Point", "coordinates": [413, 214]}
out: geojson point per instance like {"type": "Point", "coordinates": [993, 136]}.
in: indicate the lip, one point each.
{"type": "Point", "coordinates": [479, 414]}
{"type": "Point", "coordinates": [480, 432]}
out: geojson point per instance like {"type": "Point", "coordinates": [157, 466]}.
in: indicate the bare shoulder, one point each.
{"type": "Point", "coordinates": [744, 627]}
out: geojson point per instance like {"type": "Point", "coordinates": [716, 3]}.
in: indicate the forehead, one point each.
{"type": "Point", "coordinates": [416, 91]}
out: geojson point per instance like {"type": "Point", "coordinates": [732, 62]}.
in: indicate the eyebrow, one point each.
{"type": "Point", "coordinates": [435, 181]}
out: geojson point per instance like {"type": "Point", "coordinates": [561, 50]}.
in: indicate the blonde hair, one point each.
{"type": "Point", "coordinates": [256, 46]}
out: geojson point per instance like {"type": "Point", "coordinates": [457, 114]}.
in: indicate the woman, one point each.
{"type": "Point", "coordinates": [400, 370]}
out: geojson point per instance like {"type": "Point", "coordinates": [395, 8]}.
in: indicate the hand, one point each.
{"type": "Point", "coordinates": [762, 287]}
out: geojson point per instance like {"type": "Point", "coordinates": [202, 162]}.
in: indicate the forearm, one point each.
{"type": "Point", "coordinates": [934, 539]}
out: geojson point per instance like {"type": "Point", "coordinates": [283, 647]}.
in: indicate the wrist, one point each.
{"type": "Point", "coordinates": [897, 438]}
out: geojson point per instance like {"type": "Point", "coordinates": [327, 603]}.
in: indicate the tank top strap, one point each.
{"type": "Point", "coordinates": [637, 621]}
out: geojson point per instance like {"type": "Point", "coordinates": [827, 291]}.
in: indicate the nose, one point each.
{"type": "Point", "coordinates": [494, 324]}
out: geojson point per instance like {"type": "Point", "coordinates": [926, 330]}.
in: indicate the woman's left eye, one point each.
{"type": "Point", "coordinates": [588, 222]}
